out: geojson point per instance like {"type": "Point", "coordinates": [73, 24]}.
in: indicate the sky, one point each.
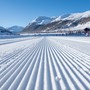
{"type": "Point", "coordinates": [22, 12]}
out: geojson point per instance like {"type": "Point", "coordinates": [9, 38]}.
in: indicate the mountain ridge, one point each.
{"type": "Point", "coordinates": [4, 31]}
{"type": "Point", "coordinates": [74, 21]}
{"type": "Point", "coordinates": [15, 29]}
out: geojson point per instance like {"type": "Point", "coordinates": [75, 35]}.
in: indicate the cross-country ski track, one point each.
{"type": "Point", "coordinates": [45, 63]}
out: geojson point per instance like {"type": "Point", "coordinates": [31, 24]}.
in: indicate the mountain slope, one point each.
{"type": "Point", "coordinates": [15, 29]}
{"type": "Point", "coordinates": [74, 21]}
{"type": "Point", "coordinates": [42, 20]}
{"type": "Point", "coordinates": [4, 31]}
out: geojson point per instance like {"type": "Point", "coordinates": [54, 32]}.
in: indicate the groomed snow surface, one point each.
{"type": "Point", "coordinates": [45, 63]}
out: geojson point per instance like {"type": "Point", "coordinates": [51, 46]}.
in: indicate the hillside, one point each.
{"type": "Point", "coordinates": [68, 22]}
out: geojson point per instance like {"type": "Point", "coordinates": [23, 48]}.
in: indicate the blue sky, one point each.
{"type": "Point", "coordinates": [21, 12]}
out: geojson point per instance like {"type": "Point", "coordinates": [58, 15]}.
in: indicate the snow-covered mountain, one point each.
{"type": "Point", "coordinates": [4, 31]}
{"type": "Point", "coordinates": [42, 20]}
{"type": "Point", "coordinates": [60, 17]}
{"type": "Point", "coordinates": [15, 29]}
{"type": "Point", "coordinates": [73, 16]}
{"type": "Point", "coordinates": [10, 30]}
{"type": "Point", "coordinates": [1, 27]}
{"type": "Point", "coordinates": [78, 16]}
{"type": "Point", "coordinates": [67, 22]}
{"type": "Point", "coordinates": [38, 22]}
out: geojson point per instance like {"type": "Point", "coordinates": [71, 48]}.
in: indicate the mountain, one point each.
{"type": "Point", "coordinates": [15, 29]}
{"type": "Point", "coordinates": [68, 22]}
{"type": "Point", "coordinates": [78, 16]}
{"type": "Point", "coordinates": [38, 22]}
{"type": "Point", "coordinates": [4, 31]}
{"type": "Point", "coordinates": [42, 20]}
{"type": "Point", "coordinates": [1, 27]}
{"type": "Point", "coordinates": [60, 17]}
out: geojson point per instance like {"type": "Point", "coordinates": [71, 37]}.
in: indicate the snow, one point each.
{"type": "Point", "coordinates": [15, 29]}
{"type": "Point", "coordinates": [42, 20]}
{"type": "Point", "coordinates": [81, 26]}
{"type": "Point", "coordinates": [61, 17]}
{"type": "Point", "coordinates": [45, 63]}
{"type": "Point", "coordinates": [73, 16]}
{"type": "Point", "coordinates": [1, 27]}
{"type": "Point", "coordinates": [78, 27]}
{"type": "Point", "coordinates": [57, 19]}
{"type": "Point", "coordinates": [77, 16]}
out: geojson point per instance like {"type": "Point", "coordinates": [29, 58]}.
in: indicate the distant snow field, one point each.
{"type": "Point", "coordinates": [45, 63]}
